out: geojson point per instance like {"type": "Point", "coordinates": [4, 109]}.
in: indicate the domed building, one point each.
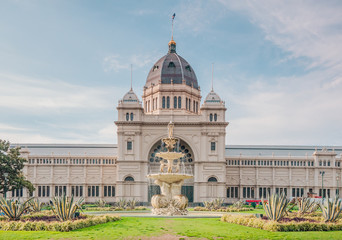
{"type": "Point", "coordinates": [172, 93]}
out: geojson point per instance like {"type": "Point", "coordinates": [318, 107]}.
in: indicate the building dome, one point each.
{"type": "Point", "coordinates": [172, 67]}
{"type": "Point", "coordinates": [130, 97]}
{"type": "Point", "coordinates": [212, 97]}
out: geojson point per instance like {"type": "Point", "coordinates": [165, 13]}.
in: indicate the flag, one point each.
{"type": "Point", "coordinates": [173, 16]}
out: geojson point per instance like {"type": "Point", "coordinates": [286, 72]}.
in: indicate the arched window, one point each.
{"type": "Point", "coordinates": [215, 117]}
{"type": "Point", "coordinates": [186, 103]}
{"type": "Point", "coordinates": [212, 179]}
{"type": "Point", "coordinates": [131, 116]}
{"type": "Point", "coordinates": [194, 107]}
{"type": "Point", "coordinates": [179, 102]}
{"type": "Point", "coordinates": [129, 179]}
{"type": "Point", "coordinates": [175, 102]}
{"type": "Point", "coordinates": [163, 104]}
{"type": "Point", "coordinates": [211, 117]}
{"type": "Point", "coordinates": [168, 102]}
{"type": "Point", "coordinates": [127, 116]}
{"type": "Point", "coordinates": [189, 108]}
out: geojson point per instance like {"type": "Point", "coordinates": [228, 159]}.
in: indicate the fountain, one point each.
{"type": "Point", "coordinates": [170, 202]}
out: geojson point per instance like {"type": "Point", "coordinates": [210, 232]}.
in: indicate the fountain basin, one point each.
{"type": "Point", "coordinates": [169, 177]}
{"type": "Point", "coordinates": [170, 155]}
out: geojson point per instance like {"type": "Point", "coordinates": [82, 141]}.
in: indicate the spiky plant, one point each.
{"type": "Point", "coordinates": [132, 203]}
{"type": "Point", "coordinates": [304, 205]}
{"type": "Point", "coordinates": [275, 208]}
{"type": "Point", "coordinates": [35, 205]}
{"type": "Point", "coordinates": [238, 204]}
{"type": "Point", "coordinates": [13, 209]}
{"type": "Point", "coordinates": [208, 204]}
{"type": "Point", "coordinates": [101, 203]}
{"type": "Point", "coordinates": [217, 203]}
{"type": "Point", "coordinates": [314, 207]}
{"type": "Point", "coordinates": [331, 209]}
{"type": "Point", "coordinates": [122, 203]}
{"type": "Point", "coordinates": [65, 207]}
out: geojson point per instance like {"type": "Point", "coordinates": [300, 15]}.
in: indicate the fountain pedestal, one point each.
{"type": "Point", "coordinates": [170, 202]}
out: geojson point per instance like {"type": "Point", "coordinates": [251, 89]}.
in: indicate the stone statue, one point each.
{"type": "Point", "coordinates": [178, 166]}
{"type": "Point", "coordinates": [162, 165]}
{"type": "Point", "coordinates": [170, 127]}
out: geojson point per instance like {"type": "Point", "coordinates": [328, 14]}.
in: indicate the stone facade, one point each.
{"type": "Point", "coordinates": [112, 172]}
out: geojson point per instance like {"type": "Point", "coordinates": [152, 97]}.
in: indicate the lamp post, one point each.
{"type": "Point", "coordinates": [322, 173]}
{"type": "Point", "coordinates": [5, 184]}
{"type": "Point", "coordinates": [338, 189]}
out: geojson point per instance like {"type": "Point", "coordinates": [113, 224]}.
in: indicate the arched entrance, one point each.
{"type": "Point", "coordinates": [187, 166]}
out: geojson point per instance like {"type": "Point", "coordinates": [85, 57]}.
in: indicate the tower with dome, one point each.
{"type": "Point", "coordinates": [171, 93]}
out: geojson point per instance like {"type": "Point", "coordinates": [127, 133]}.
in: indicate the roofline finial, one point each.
{"type": "Point", "coordinates": [212, 78]}
{"type": "Point", "coordinates": [131, 78]}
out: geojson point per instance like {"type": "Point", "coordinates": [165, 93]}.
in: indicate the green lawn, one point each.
{"type": "Point", "coordinates": [136, 228]}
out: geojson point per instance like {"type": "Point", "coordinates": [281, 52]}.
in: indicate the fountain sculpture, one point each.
{"type": "Point", "coordinates": [170, 202]}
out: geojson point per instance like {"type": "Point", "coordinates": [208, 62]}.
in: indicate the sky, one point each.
{"type": "Point", "coordinates": [64, 65]}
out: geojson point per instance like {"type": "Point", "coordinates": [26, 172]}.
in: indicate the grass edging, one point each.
{"type": "Point", "coordinates": [252, 221]}
{"type": "Point", "coordinates": [56, 226]}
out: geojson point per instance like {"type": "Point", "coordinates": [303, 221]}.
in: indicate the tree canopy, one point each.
{"type": "Point", "coordinates": [12, 164]}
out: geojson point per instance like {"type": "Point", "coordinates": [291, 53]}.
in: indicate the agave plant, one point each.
{"type": "Point", "coordinates": [238, 204]}
{"type": "Point", "coordinates": [13, 209]}
{"type": "Point", "coordinates": [331, 209]}
{"type": "Point", "coordinates": [275, 208]}
{"type": "Point", "coordinates": [208, 204]}
{"type": "Point", "coordinates": [101, 203]}
{"type": "Point", "coordinates": [304, 205]}
{"type": "Point", "coordinates": [132, 203]}
{"type": "Point", "coordinates": [314, 207]}
{"type": "Point", "coordinates": [65, 208]}
{"type": "Point", "coordinates": [217, 203]}
{"type": "Point", "coordinates": [122, 203]}
{"type": "Point", "coordinates": [35, 205]}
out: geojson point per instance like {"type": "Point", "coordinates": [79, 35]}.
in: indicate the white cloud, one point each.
{"type": "Point", "coordinates": [116, 63]}
{"type": "Point", "coordinates": [40, 95]}
{"type": "Point", "coordinates": [300, 109]}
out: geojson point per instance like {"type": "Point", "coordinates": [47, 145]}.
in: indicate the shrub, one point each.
{"type": "Point", "coordinates": [100, 203]}
{"type": "Point", "coordinates": [238, 204]}
{"type": "Point", "coordinates": [304, 204]}
{"type": "Point", "coordinates": [56, 226]}
{"type": "Point", "coordinates": [331, 209]}
{"type": "Point", "coordinates": [131, 203]}
{"type": "Point", "coordinates": [275, 208]}
{"type": "Point", "coordinates": [122, 203]}
{"type": "Point", "coordinates": [65, 208]}
{"type": "Point", "coordinates": [292, 226]}
{"type": "Point", "coordinates": [35, 205]}
{"type": "Point", "coordinates": [13, 209]}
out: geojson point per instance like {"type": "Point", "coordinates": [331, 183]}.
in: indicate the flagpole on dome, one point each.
{"type": "Point", "coordinates": [173, 17]}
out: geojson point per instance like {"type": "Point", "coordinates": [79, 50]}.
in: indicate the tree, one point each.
{"type": "Point", "coordinates": [12, 164]}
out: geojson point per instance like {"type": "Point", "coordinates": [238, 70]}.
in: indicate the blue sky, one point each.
{"type": "Point", "coordinates": [65, 64]}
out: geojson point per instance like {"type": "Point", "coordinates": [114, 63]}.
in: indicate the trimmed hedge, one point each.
{"type": "Point", "coordinates": [228, 209]}
{"type": "Point", "coordinates": [252, 221]}
{"type": "Point", "coordinates": [56, 226]}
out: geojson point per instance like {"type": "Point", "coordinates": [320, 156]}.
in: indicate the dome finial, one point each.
{"type": "Point", "coordinates": [172, 43]}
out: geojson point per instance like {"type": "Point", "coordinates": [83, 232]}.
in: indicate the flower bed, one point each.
{"type": "Point", "coordinates": [96, 209]}
{"type": "Point", "coordinates": [289, 224]}
{"type": "Point", "coordinates": [228, 209]}
{"type": "Point", "coordinates": [41, 222]}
